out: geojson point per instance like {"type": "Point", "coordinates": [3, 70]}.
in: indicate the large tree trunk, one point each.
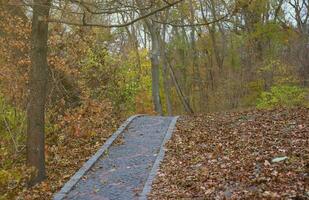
{"type": "Point", "coordinates": [155, 67]}
{"type": "Point", "coordinates": [38, 87]}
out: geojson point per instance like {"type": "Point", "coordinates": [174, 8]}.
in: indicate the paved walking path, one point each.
{"type": "Point", "coordinates": [126, 169]}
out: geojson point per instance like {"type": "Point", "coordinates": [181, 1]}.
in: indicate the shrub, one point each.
{"type": "Point", "coordinates": [284, 95]}
{"type": "Point", "coordinates": [12, 139]}
{"type": "Point", "coordinates": [12, 126]}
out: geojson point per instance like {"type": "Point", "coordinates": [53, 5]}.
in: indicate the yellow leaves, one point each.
{"type": "Point", "coordinates": [12, 180]}
{"type": "Point", "coordinates": [4, 175]}
{"type": "Point", "coordinates": [257, 6]}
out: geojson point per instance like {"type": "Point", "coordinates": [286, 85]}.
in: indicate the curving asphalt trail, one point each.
{"type": "Point", "coordinates": [122, 172]}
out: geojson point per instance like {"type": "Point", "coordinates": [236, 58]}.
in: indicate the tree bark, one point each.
{"type": "Point", "coordinates": [165, 74]}
{"type": "Point", "coordinates": [182, 98]}
{"type": "Point", "coordinates": [37, 94]}
{"type": "Point", "coordinates": [197, 102]}
{"type": "Point", "coordinates": [154, 59]}
{"type": "Point", "coordinates": [155, 67]}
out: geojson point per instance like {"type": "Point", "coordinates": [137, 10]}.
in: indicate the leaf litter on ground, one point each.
{"type": "Point", "coordinates": [253, 154]}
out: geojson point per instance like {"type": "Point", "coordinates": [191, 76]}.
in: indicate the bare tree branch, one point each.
{"type": "Point", "coordinates": [84, 23]}
{"type": "Point", "coordinates": [196, 24]}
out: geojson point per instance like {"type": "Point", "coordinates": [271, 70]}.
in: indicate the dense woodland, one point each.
{"type": "Point", "coordinates": [71, 70]}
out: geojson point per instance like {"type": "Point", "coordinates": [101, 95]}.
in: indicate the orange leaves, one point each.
{"type": "Point", "coordinates": [77, 134]}
{"type": "Point", "coordinates": [14, 56]}
{"type": "Point", "coordinates": [87, 119]}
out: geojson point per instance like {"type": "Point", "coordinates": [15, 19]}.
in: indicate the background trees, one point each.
{"type": "Point", "coordinates": [116, 58]}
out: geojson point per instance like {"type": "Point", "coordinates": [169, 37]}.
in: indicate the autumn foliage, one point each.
{"type": "Point", "coordinates": [210, 56]}
{"type": "Point", "coordinates": [74, 118]}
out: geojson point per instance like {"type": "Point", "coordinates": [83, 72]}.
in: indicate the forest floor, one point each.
{"type": "Point", "coordinates": [65, 154]}
{"type": "Point", "coordinates": [255, 154]}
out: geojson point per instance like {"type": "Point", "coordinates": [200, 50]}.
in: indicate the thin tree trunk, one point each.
{"type": "Point", "coordinates": [195, 64]}
{"type": "Point", "coordinates": [183, 99]}
{"type": "Point", "coordinates": [165, 72]}
{"type": "Point", "coordinates": [212, 33]}
{"type": "Point", "coordinates": [154, 59]}
{"type": "Point", "coordinates": [38, 87]}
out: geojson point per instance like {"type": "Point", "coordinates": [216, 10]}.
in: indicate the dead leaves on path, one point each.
{"type": "Point", "coordinates": [237, 155]}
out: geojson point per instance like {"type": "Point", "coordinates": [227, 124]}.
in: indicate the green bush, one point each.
{"type": "Point", "coordinates": [284, 95]}
{"type": "Point", "coordinates": [12, 127]}
{"type": "Point", "coordinates": [12, 141]}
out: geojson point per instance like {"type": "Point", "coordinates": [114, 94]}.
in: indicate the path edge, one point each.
{"type": "Point", "coordinates": [156, 165]}
{"type": "Point", "coordinates": [90, 162]}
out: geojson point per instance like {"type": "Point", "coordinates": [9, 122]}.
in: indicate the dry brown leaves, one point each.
{"type": "Point", "coordinates": [82, 132]}
{"type": "Point", "coordinates": [229, 156]}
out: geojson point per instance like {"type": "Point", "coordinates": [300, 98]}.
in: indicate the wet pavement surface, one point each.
{"type": "Point", "coordinates": [123, 170]}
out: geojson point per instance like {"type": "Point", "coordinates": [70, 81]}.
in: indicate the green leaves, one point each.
{"type": "Point", "coordinates": [284, 95]}
{"type": "Point", "coordinates": [12, 127]}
